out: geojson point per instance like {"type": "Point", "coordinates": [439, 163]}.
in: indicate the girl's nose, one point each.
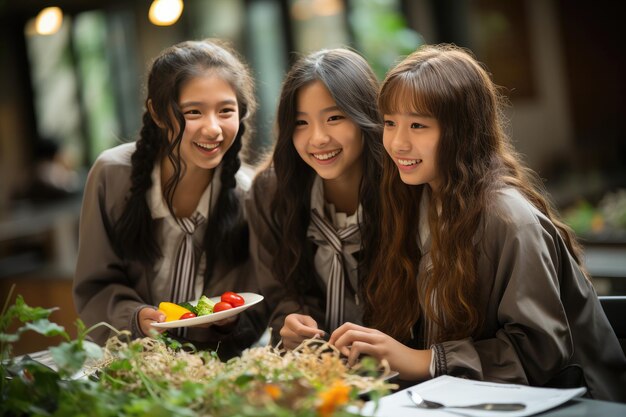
{"type": "Point", "coordinates": [211, 127]}
{"type": "Point", "coordinates": [319, 137]}
{"type": "Point", "coordinates": [399, 144]}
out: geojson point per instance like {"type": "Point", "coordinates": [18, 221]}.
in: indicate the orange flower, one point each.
{"type": "Point", "coordinates": [597, 223]}
{"type": "Point", "coordinates": [273, 391]}
{"type": "Point", "coordinates": [332, 398]}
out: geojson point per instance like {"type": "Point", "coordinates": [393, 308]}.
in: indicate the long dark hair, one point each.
{"type": "Point", "coordinates": [226, 236]}
{"type": "Point", "coordinates": [475, 159]}
{"type": "Point", "coordinates": [353, 86]}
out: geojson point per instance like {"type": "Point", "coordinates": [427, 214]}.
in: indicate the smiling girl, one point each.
{"type": "Point", "coordinates": [477, 277]}
{"type": "Point", "coordinates": [309, 210]}
{"type": "Point", "coordinates": [162, 218]}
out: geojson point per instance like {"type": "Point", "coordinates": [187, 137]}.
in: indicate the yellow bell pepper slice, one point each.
{"type": "Point", "coordinates": [172, 311]}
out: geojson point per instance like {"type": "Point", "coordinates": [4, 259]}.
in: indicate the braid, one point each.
{"type": "Point", "coordinates": [227, 234]}
{"type": "Point", "coordinates": [134, 232]}
{"type": "Point", "coordinates": [232, 165]}
{"type": "Point", "coordinates": [161, 136]}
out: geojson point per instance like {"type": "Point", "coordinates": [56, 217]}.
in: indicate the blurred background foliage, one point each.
{"type": "Point", "coordinates": [382, 33]}
{"type": "Point", "coordinates": [605, 221]}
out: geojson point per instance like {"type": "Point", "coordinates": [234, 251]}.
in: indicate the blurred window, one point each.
{"type": "Point", "coordinates": [216, 19]}
{"type": "Point", "coordinates": [382, 33]}
{"type": "Point", "coordinates": [97, 92]}
{"type": "Point", "coordinates": [267, 51]}
{"type": "Point", "coordinates": [55, 86]}
{"type": "Point", "coordinates": [500, 37]}
{"type": "Point", "coordinates": [319, 24]}
{"type": "Point", "coordinates": [72, 86]}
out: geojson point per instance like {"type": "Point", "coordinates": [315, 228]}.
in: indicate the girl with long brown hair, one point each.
{"type": "Point", "coordinates": [476, 276]}
{"type": "Point", "coordinates": [162, 217]}
{"type": "Point", "coordinates": [310, 210]}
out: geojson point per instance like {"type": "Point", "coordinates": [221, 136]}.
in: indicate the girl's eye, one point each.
{"type": "Point", "coordinates": [389, 123]}
{"type": "Point", "coordinates": [301, 122]}
{"type": "Point", "coordinates": [417, 126]}
{"type": "Point", "coordinates": [336, 117]}
{"type": "Point", "coordinates": [192, 111]}
{"type": "Point", "coordinates": [227, 112]}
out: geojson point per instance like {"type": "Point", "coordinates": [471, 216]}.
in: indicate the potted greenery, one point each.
{"type": "Point", "coordinates": [157, 377]}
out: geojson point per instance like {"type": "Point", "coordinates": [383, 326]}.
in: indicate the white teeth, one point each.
{"type": "Point", "coordinates": [407, 162]}
{"type": "Point", "coordinates": [325, 156]}
{"type": "Point", "coordinates": [207, 146]}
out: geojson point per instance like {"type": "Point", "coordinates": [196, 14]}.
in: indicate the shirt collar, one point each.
{"type": "Point", "coordinates": [424, 228]}
{"type": "Point", "coordinates": [340, 220]}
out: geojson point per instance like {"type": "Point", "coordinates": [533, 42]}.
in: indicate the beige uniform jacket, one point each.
{"type": "Point", "coordinates": [264, 242]}
{"type": "Point", "coordinates": [544, 324]}
{"type": "Point", "coordinates": [108, 287]}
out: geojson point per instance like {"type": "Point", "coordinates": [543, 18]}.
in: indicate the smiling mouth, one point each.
{"type": "Point", "coordinates": [207, 146]}
{"type": "Point", "coordinates": [409, 162]}
{"type": "Point", "coordinates": [326, 156]}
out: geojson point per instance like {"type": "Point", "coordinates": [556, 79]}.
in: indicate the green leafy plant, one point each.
{"type": "Point", "coordinates": [583, 218]}
{"type": "Point", "coordinates": [28, 387]}
{"type": "Point", "coordinates": [152, 376]}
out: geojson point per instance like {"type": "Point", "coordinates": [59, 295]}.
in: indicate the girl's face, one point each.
{"type": "Point", "coordinates": [209, 105]}
{"type": "Point", "coordinates": [324, 137]}
{"type": "Point", "coordinates": [411, 140]}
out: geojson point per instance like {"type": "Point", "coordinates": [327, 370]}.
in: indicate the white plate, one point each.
{"type": "Point", "coordinates": [249, 297]}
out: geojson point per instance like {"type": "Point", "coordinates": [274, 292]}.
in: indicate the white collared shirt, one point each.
{"type": "Point", "coordinates": [170, 235]}
{"type": "Point", "coordinates": [339, 220]}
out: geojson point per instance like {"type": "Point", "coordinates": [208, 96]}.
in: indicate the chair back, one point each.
{"type": "Point", "coordinates": [614, 307]}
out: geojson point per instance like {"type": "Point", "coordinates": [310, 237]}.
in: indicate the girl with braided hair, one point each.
{"type": "Point", "coordinates": [162, 217]}
{"type": "Point", "coordinates": [310, 209]}
{"type": "Point", "coordinates": [476, 276]}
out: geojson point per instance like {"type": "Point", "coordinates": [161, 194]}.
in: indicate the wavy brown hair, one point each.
{"type": "Point", "coordinates": [475, 158]}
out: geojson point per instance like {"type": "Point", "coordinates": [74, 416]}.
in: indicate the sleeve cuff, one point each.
{"type": "Point", "coordinates": [439, 364]}
{"type": "Point", "coordinates": [135, 328]}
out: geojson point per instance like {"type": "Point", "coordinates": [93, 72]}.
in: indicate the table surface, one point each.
{"type": "Point", "coordinates": [587, 407]}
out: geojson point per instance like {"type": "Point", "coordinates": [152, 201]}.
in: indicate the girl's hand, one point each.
{"type": "Point", "coordinates": [353, 341]}
{"type": "Point", "coordinates": [147, 316]}
{"type": "Point", "coordinates": [298, 327]}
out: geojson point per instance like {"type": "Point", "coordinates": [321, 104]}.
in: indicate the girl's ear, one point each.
{"type": "Point", "coordinates": [153, 115]}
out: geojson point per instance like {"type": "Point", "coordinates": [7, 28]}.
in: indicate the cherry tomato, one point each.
{"type": "Point", "coordinates": [189, 315]}
{"type": "Point", "coordinates": [233, 299]}
{"type": "Point", "coordinates": [221, 306]}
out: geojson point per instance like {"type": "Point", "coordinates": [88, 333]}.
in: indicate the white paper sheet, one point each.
{"type": "Point", "coordinates": [452, 391]}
